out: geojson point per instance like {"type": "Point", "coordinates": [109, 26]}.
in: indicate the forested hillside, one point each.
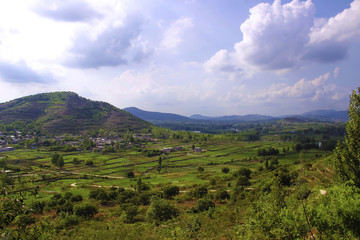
{"type": "Point", "coordinates": [65, 112]}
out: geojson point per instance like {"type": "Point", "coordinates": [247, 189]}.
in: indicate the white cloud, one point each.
{"type": "Point", "coordinates": [318, 89]}
{"type": "Point", "coordinates": [331, 41]}
{"type": "Point", "coordinates": [284, 36]}
{"type": "Point", "coordinates": [174, 35]}
{"type": "Point", "coordinates": [345, 26]}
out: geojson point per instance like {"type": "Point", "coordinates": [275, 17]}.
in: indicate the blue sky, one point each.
{"type": "Point", "coordinates": [185, 56]}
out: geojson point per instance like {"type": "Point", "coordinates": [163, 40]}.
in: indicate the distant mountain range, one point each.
{"type": "Point", "coordinates": [66, 112]}
{"type": "Point", "coordinates": [156, 116]}
{"type": "Point", "coordinates": [319, 115]}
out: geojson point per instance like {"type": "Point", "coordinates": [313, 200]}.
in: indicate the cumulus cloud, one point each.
{"type": "Point", "coordinates": [110, 47]}
{"type": "Point", "coordinates": [221, 61]}
{"type": "Point", "coordinates": [283, 36]}
{"type": "Point", "coordinates": [330, 42]}
{"type": "Point", "coordinates": [67, 10]}
{"type": "Point", "coordinates": [173, 36]}
{"type": "Point", "coordinates": [315, 90]}
{"type": "Point", "coordinates": [21, 73]}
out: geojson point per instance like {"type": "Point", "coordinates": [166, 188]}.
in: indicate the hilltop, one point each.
{"type": "Point", "coordinates": [66, 112]}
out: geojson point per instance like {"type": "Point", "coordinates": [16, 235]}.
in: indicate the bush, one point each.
{"type": "Point", "coordinates": [70, 220]}
{"type": "Point", "coordinates": [85, 210]}
{"type": "Point", "coordinates": [89, 162]}
{"type": "Point", "coordinates": [99, 194]}
{"type": "Point", "coordinates": [24, 220]}
{"type": "Point", "coordinates": [246, 172]}
{"type": "Point", "coordinates": [38, 206]}
{"type": "Point", "coordinates": [242, 181]}
{"type": "Point", "coordinates": [201, 169]}
{"type": "Point", "coordinates": [225, 170]}
{"type": "Point", "coordinates": [125, 196]}
{"type": "Point", "coordinates": [222, 195]}
{"type": "Point", "coordinates": [130, 174]}
{"type": "Point", "coordinates": [65, 208]}
{"type": "Point", "coordinates": [203, 204]}
{"type": "Point", "coordinates": [76, 198]}
{"type": "Point", "coordinates": [171, 191]}
{"type": "Point", "coordinates": [161, 210]}
{"type": "Point", "coordinates": [200, 192]}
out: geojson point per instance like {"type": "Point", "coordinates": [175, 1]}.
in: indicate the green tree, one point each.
{"type": "Point", "coordinates": [57, 160]}
{"type": "Point", "coordinates": [347, 154]}
{"type": "Point", "coordinates": [171, 191]}
{"type": "Point", "coordinates": [85, 210]}
{"type": "Point", "coordinates": [203, 204]}
{"type": "Point", "coordinates": [161, 210]}
{"type": "Point", "coordinates": [76, 161]}
{"type": "Point", "coordinates": [225, 170]}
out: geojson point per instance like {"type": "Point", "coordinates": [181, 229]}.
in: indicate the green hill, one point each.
{"type": "Point", "coordinates": [66, 112]}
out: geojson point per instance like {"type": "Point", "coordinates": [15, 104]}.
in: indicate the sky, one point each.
{"type": "Point", "coordinates": [209, 57]}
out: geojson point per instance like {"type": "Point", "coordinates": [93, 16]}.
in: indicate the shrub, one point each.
{"type": "Point", "coordinates": [130, 174]}
{"type": "Point", "coordinates": [225, 170]}
{"type": "Point", "coordinates": [200, 192]}
{"type": "Point", "coordinates": [76, 198]}
{"type": "Point", "coordinates": [85, 210]}
{"type": "Point", "coordinates": [70, 220]}
{"type": "Point", "coordinates": [89, 162]}
{"type": "Point", "coordinates": [203, 204]}
{"type": "Point", "coordinates": [161, 210]}
{"type": "Point", "coordinates": [222, 195]}
{"type": "Point", "coordinates": [246, 172]}
{"type": "Point", "coordinates": [243, 181]}
{"type": "Point", "coordinates": [125, 196]}
{"type": "Point", "coordinates": [171, 191]}
{"type": "Point", "coordinates": [38, 206]}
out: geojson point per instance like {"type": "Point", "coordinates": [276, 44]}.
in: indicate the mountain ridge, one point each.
{"type": "Point", "coordinates": [319, 115]}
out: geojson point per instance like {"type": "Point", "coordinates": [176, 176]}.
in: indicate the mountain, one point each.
{"type": "Point", "coordinates": [156, 116]}
{"type": "Point", "coordinates": [67, 112]}
{"type": "Point", "coordinates": [327, 115]}
{"type": "Point", "coordinates": [249, 117]}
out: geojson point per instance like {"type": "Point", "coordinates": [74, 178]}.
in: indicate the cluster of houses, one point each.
{"type": "Point", "coordinates": [100, 143]}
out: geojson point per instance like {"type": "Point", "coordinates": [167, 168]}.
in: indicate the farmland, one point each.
{"type": "Point", "coordinates": [147, 165]}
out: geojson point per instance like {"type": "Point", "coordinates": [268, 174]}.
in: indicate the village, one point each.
{"type": "Point", "coordinates": [80, 142]}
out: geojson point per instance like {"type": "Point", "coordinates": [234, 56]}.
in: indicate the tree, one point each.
{"type": "Point", "coordinates": [347, 154]}
{"type": "Point", "coordinates": [76, 161]}
{"type": "Point", "coordinates": [243, 171]}
{"type": "Point", "coordinates": [171, 191]}
{"type": "Point", "coordinates": [161, 210]}
{"type": "Point", "coordinates": [57, 160]}
{"type": "Point", "coordinates": [130, 174]}
{"type": "Point", "coordinates": [85, 210]}
{"type": "Point", "coordinates": [203, 204]}
{"type": "Point", "coordinates": [200, 191]}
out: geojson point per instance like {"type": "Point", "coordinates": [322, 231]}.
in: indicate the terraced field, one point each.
{"type": "Point", "coordinates": [179, 167]}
